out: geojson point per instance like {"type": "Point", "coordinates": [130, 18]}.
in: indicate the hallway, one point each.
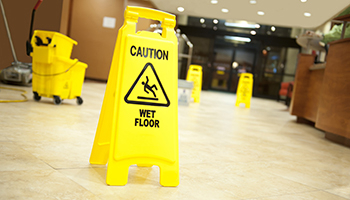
{"type": "Point", "coordinates": [226, 152]}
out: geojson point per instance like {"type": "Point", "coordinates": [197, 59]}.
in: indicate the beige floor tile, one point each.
{"type": "Point", "coordinates": [14, 158]}
{"type": "Point", "coordinates": [341, 191]}
{"type": "Point", "coordinates": [315, 195]}
{"type": "Point", "coordinates": [243, 180]}
{"type": "Point", "coordinates": [318, 173]}
{"type": "Point", "coordinates": [42, 184]}
{"type": "Point", "coordinates": [143, 183]}
{"type": "Point", "coordinates": [3, 138]}
{"type": "Point", "coordinates": [61, 155]}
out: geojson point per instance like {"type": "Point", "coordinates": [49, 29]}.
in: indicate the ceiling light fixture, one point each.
{"type": "Point", "coordinates": [306, 14]}
{"type": "Point", "coordinates": [240, 25]}
{"type": "Point", "coordinates": [180, 9]}
{"type": "Point", "coordinates": [273, 28]}
{"type": "Point", "coordinates": [215, 21]}
{"type": "Point", "coordinates": [202, 20]}
{"type": "Point", "coordinates": [224, 10]}
{"type": "Point", "coordinates": [257, 25]}
{"type": "Point", "coordinates": [261, 13]}
{"type": "Point", "coordinates": [235, 65]}
{"type": "Point", "coordinates": [252, 2]}
{"type": "Point", "coordinates": [213, 1]}
{"type": "Point", "coordinates": [303, 1]}
{"type": "Point", "coordinates": [240, 39]}
{"type": "Point", "coordinates": [253, 32]}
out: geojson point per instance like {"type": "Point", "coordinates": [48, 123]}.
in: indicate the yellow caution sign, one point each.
{"type": "Point", "coordinates": [245, 89]}
{"type": "Point", "coordinates": [195, 75]}
{"type": "Point", "coordinates": [139, 122]}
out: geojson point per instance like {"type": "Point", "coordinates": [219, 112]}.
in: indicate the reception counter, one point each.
{"type": "Point", "coordinates": [321, 94]}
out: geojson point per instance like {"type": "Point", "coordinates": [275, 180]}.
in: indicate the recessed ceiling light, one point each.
{"type": "Point", "coordinates": [215, 28]}
{"type": "Point", "coordinates": [224, 10]}
{"type": "Point", "coordinates": [236, 38]}
{"type": "Point", "coordinates": [306, 14]}
{"type": "Point", "coordinates": [257, 25]}
{"type": "Point", "coordinates": [303, 1]}
{"type": "Point", "coordinates": [202, 20]}
{"type": "Point", "coordinates": [273, 28]}
{"type": "Point", "coordinates": [240, 25]}
{"type": "Point", "coordinates": [253, 32]}
{"type": "Point", "coordinates": [261, 13]}
{"type": "Point", "coordinates": [252, 2]}
{"type": "Point", "coordinates": [215, 21]}
{"type": "Point", "coordinates": [180, 9]}
{"type": "Point", "coordinates": [235, 64]}
{"type": "Point", "coordinates": [213, 1]}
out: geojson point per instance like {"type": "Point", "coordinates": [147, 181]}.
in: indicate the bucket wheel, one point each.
{"type": "Point", "coordinates": [57, 100]}
{"type": "Point", "coordinates": [36, 96]}
{"type": "Point", "coordinates": [79, 100]}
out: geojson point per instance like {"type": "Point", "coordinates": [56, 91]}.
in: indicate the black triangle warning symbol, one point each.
{"type": "Point", "coordinates": [147, 89]}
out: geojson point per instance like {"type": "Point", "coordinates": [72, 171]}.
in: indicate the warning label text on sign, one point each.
{"type": "Point", "coordinates": [147, 119]}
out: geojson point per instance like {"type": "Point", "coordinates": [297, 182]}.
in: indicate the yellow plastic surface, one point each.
{"type": "Point", "coordinates": [60, 45]}
{"type": "Point", "coordinates": [245, 89]}
{"type": "Point", "coordinates": [54, 73]}
{"type": "Point", "coordinates": [139, 122]}
{"type": "Point", "coordinates": [63, 77]}
{"type": "Point", "coordinates": [195, 75]}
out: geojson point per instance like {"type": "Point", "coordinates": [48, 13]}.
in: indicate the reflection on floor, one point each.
{"type": "Point", "coordinates": [226, 152]}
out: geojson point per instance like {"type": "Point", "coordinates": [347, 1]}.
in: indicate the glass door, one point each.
{"type": "Point", "coordinates": [278, 65]}
{"type": "Point", "coordinates": [222, 68]}
{"type": "Point", "coordinates": [243, 62]}
{"type": "Point", "coordinates": [229, 62]}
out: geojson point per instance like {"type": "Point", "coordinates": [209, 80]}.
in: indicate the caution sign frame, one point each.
{"type": "Point", "coordinates": [133, 130]}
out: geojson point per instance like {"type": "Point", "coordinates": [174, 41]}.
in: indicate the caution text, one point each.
{"type": "Point", "coordinates": [146, 52]}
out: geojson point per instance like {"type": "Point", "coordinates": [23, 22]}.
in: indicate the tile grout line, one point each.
{"type": "Point", "coordinates": [295, 181]}
{"type": "Point", "coordinates": [324, 190]}
{"type": "Point", "coordinates": [283, 194]}
{"type": "Point", "coordinates": [59, 171]}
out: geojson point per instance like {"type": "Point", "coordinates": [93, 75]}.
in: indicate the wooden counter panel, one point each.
{"type": "Point", "coordinates": [307, 88]}
{"type": "Point", "coordinates": [334, 110]}
{"type": "Point", "coordinates": [300, 82]}
{"type": "Point", "coordinates": [314, 94]}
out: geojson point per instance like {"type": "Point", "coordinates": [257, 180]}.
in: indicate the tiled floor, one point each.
{"type": "Point", "coordinates": [226, 152]}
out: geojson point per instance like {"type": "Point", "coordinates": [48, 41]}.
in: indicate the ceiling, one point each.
{"type": "Point", "coordinates": [288, 13]}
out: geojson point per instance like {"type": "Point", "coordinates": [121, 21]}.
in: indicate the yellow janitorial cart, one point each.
{"type": "Point", "coordinates": [55, 74]}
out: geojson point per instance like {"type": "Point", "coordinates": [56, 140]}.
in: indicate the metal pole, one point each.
{"type": "Point", "coordinates": [8, 32]}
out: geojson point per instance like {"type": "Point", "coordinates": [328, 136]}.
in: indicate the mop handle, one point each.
{"type": "Point", "coordinates": [37, 4]}
{"type": "Point", "coordinates": [32, 21]}
{"type": "Point", "coordinates": [8, 32]}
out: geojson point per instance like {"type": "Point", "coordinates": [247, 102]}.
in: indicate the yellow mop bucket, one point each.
{"type": "Point", "coordinates": [139, 119]}
{"type": "Point", "coordinates": [55, 75]}
{"type": "Point", "coordinates": [48, 44]}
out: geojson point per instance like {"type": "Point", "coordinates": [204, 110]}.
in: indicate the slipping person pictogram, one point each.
{"type": "Point", "coordinates": [147, 89]}
{"type": "Point", "coordinates": [150, 88]}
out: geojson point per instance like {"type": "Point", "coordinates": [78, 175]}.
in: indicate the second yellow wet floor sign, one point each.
{"type": "Point", "coordinates": [194, 74]}
{"type": "Point", "coordinates": [138, 121]}
{"type": "Point", "coordinates": [244, 89]}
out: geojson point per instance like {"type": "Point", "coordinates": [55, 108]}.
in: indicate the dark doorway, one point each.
{"type": "Point", "coordinates": [228, 63]}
